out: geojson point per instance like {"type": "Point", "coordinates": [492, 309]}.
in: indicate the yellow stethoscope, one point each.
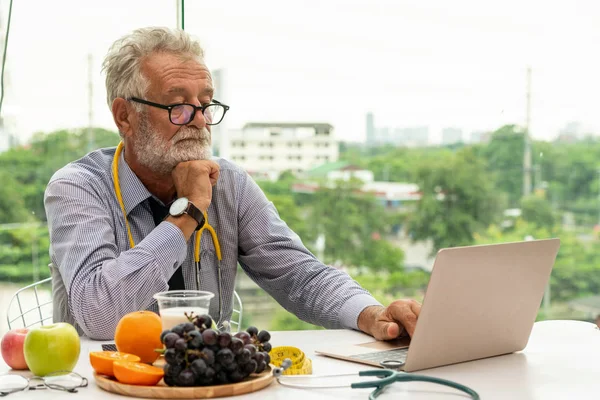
{"type": "Point", "coordinates": [206, 226]}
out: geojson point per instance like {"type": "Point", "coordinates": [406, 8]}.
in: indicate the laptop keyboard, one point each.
{"type": "Point", "coordinates": [386, 355]}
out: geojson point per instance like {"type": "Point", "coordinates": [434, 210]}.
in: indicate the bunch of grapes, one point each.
{"type": "Point", "coordinates": [197, 355]}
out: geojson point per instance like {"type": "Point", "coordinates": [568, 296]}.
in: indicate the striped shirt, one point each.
{"type": "Point", "coordinates": [106, 279]}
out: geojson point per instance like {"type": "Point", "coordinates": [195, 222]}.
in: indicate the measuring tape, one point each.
{"type": "Point", "coordinates": [301, 365]}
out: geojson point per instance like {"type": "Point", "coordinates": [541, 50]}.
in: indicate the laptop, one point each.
{"type": "Point", "coordinates": [481, 301]}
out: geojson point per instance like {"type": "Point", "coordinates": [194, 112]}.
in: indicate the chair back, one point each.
{"type": "Point", "coordinates": [29, 306]}
{"type": "Point", "coordinates": [236, 314]}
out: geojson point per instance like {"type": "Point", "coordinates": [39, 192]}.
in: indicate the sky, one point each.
{"type": "Point", "coordinates": [436, 63]}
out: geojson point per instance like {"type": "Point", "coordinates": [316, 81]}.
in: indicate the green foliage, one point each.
{"type": "Point", "coordinates": [24, 251]}
{"type": "Point", "coordinates": [458, 199]}
{"type": "Point", "coordinates": [353, 224]}
{"type": "Point", "coordinates": [32, 166]}
{"type": "Point", "coordinates": [538, 211]}
{"type": "Point", "coordinates": [504, 157]}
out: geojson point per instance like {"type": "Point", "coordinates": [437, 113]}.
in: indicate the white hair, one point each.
{"type": "Point", "coordinates": [123, 63]}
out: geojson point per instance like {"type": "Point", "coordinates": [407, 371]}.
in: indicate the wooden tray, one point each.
{"type": "Point", "coordinates": [161, 391]}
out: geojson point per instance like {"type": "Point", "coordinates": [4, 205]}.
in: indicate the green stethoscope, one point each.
{"type": "Point", "coordinates": [206, 226]}
{"type": "Point", "coordinates": [387, 377]}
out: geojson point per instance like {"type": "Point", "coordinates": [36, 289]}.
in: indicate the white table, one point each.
{"type": "Point", "coordinates": [562, 360]}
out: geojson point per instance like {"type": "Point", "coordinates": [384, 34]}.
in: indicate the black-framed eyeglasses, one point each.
{"type": "Point", "coordinates": [61, 380]}
{"type": "Point", "coordinates": [184, 113]}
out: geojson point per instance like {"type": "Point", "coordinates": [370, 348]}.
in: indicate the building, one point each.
{"type": "Point", "coordinates": [480, 137]}
{"type": "Point", "coordinates": [398, 196]}
{"type": "Point", "coordinates": [451, 136]}
{"type": "Point", "coordinates": [371, 139]}
{"type": "Point", "coordinates": [268, 149]}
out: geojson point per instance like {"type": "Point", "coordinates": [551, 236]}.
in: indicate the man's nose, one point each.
{"type": "Point", "coordinates": [198, 121]}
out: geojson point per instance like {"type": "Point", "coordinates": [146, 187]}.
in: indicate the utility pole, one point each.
{"type": "Point", "coordinates": [90, 130]}
{"type": "Point", "coordinates": [527, 138]}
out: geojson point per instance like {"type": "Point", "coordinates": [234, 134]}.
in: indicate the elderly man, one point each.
{"type": "Point", "coordinates": [123, 222]}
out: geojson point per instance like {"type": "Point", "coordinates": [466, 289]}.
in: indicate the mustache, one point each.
{"type": "Point", "coordinates": [193, 134]}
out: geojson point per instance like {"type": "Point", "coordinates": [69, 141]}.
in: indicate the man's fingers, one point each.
{"type": "Point", "coordinates": [406, 314]}
{"type": "Point", "coordinates": [387, 331]}
{"type": "Point", "coordinates": [416, 308]}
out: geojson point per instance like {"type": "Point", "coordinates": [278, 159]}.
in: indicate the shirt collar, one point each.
{"type": "Point", "coordinates": [132, 189]}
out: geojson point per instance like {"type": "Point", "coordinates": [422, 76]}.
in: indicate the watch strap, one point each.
{"type": "Point", "coordinates": [195, 213]}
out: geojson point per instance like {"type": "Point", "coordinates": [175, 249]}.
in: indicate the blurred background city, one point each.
{"type": "Point", "coordinates": [382, 131]}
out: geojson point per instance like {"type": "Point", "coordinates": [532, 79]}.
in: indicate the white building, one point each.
{"type": "Point", "coordinates": [267, 149]}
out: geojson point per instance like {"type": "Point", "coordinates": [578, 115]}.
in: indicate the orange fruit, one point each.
{"type": "Point", "coordinates": [135, 373]}
{"type": "Point", "coordinates": [139, 333]}
{"type": "Point", "coordinates": [102, 361]}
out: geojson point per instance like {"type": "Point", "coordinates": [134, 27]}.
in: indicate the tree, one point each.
{"type": "Point", "coordinates": [504, 156]}
{"type": "Point", "coordinates": [458, 199]}
{"type": "Point", "coordinates": [538, 211]}
{"type": "Point", "coordinates": [354, 226]}
{"type": "Point", "coordinates": [33, 165]}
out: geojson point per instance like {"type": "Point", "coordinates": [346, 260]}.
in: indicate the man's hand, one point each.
{"type": "Point", "coordinates": [386, 323]}
{"type": "Point", "coordinates": [194, 180]}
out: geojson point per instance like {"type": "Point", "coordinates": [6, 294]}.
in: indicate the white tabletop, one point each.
{"type": "Point", "coordinates": [562, 360]}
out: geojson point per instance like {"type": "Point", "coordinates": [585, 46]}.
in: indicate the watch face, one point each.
{"type": "Point", "coordinates": [178, 206]}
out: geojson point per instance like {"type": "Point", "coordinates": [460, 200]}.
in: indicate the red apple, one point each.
{"type": "Point", "coordinates": [12, 348]}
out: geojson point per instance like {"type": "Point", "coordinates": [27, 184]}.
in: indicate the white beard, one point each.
{"type": "Point", "coordinates": [161, 155]}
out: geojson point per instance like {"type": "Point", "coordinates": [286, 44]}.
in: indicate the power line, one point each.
{"type": "Point", "coordinates": [526, 136]}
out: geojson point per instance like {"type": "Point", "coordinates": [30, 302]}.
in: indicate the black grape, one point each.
{"type": "Point", "coordinates": [199, 367]}
{"type": "Point", "coordinates": [243, 357]}
{"type": "Point", "coordinates": [250, 367]}
{"type": "Point", "coordinates": [230, 367]}
{"type": "Point", "coordinates": [203, 321]}
{"type": "Point", "coordinates": [209, 356]}
{"type": "Point", "coordinates": [224, 339]}
{"type": "Point", "coordinates": [170, 356]}
{"type": "Point", "coordinates": [224, 357]}
{"type": "Point", "coordinates": [191, 357]}
{"type": "Point", "coordinates": [263, 336]}
{"type": "Point", "coordinates": [188, 327]}
{"type": "Point", "coordinates": [221, 377]}
{"type": "Point", "coordinates": [266, 347]}
{"type": "Point", "coordinates": [163, 334]}
{"type": "Point", "coordinates": [172, 370]}
{"type": "Point", "coordinates": [178, 329]}
{"type": "Point", "coordinates": [244, 336]}
{"type": "Point", "coordinates": [261, 367]}
{"type": "Point", "coordinates": [236, 376]}
{"type": "Point", "coordinates": [186, 378]}
{"type": "Point", "coordinates": [252, 331]}
{"type": "Point", "coordinates": [180, 345]}
{"type": "Point", "coordinates": [267, 358]}
{"type": "Point", "coordinates": [169, 380]}
{"type": "Point", "coordinates": [195, 341]}
{"type": "Point", "coordinates": [170, 339]}
{"type": "Point", "coordinates": [251, 348]}
{"type": "Point", "coordinates": [236, 346]}
{"type": "Point", "coordinates": [259, 357]}
{"type": "Point", "coordinates": [203, 381]}
{"type": "Point", "coordinates": [210, 337]}
{"type": "Point", "coordinates": [209, 373]}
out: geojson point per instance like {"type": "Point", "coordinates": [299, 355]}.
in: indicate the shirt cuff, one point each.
{"type": "Point", "coordinates": [169, 244]}
{"type": "Point", "coordinates": [353, 307]}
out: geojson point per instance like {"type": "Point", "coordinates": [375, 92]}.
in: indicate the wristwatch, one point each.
{"type": "Point", "coordinates": [183, 206]}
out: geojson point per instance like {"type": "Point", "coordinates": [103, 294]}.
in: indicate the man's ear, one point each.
{"type": "Point", "coordinates": [123, 116]}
